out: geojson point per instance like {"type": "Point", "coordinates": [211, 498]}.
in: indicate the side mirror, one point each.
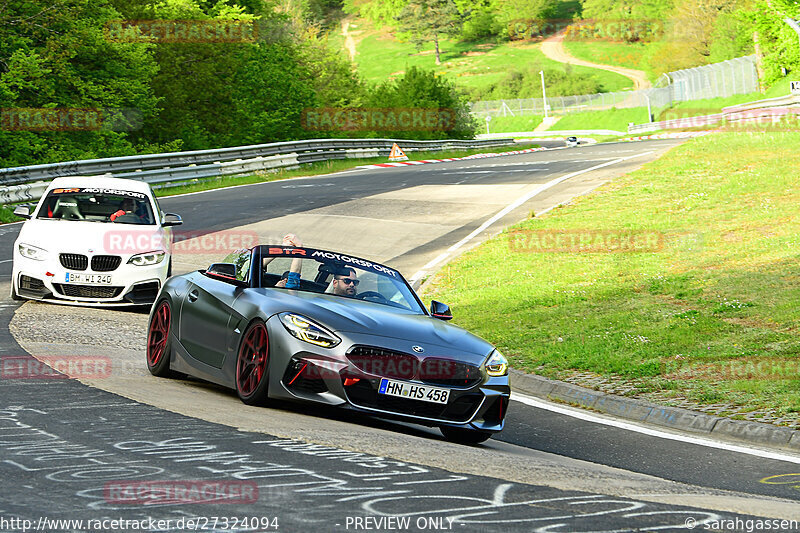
{"type": "Point", "coordinates": [440, 310]}
{"type": "Point", "coordinates": [171, 219]}
{"type": "Point", "coordinates": [23, 211]}
{"type": "Point", "coordinates": [222, 271]}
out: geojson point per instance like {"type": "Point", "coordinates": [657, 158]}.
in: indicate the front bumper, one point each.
{"type": "Point", "coordinates": [329, 376]}
{"type": "Point", "coordinates": [48, 281]}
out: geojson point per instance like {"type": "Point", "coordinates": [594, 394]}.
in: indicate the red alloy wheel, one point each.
{"type": "Point", "coordinates": [159, 333]}
{"type": "Point", "coordinates": [252, 363]}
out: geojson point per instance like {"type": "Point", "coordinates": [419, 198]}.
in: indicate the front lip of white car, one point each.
{"type": "Point", "coordinates": [88, 238]}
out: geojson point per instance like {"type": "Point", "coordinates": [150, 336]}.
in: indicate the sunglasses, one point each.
{"type": "Point", "coordinates": [348, 281]}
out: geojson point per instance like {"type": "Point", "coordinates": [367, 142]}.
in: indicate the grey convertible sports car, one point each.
{"type": "Point", "coordinates": [317, 326]}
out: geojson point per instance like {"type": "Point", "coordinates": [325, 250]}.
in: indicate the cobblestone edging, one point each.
{"type": "Point", "coordinates": [755, 433]}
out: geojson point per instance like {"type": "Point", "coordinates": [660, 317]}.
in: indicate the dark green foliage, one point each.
{"type": "Point", "coordinates": [780, 44]}
{"type": "Point", "coordinates": [481, 24]}
{"type": "Point", "coordinates": [180, 95]}
{"type": "Point", "coordinates": [420, 88]}
{"type": "Point", "coordinates": [59, 58]}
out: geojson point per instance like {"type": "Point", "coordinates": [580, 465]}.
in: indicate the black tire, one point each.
{"type": "Point", "coordinates": [159, 342]}
{"type": "Point", "coordinates": [252, 365]}
{"type": "Point", "coordinates": [464, 436]}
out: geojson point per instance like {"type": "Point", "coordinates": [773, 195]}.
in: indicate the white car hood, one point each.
{"type": "Point", "coordinates": [75, 236]}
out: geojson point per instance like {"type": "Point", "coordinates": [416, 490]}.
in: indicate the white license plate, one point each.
{"type": "Point", "coordinates": [91, 279]}
{"type": "Point", "coordinates": [413, 391]}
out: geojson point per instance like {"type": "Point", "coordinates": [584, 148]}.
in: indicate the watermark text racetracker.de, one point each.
{"type": "Point", "coordinates": [183, 242]}
{"type": "Point", "coordinates": [55, 367]}
{"type": "Point", "coordinates": [587, 30]}
{"type": "Point", "coordinates": [586, 241]}
{"type": "Point", "coordinates": [181, 31]}
{"type": "Point", "coordinates": [370, 119]}
{"type": "Point", "coordinates": [180, 492]}
{"type": "Point", "coordinates": [197, 523]}
{"type": "Point", "coordinates": [70, 119]}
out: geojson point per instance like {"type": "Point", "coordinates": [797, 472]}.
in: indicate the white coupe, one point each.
{"type": "Point", "coordinates": [92, 241]}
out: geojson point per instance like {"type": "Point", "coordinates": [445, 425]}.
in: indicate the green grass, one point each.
{"type": "Point", "coordinates": [313, 169]}
{"type": "Point", "coordinates": [628, 55]}
{"type": "Point", "coordinates": [710, 312]}
{"type": "Point", "coordinates": [512, 124]}
{"type": "Point", "coordinates": [7, 214]}
{"type": "Point", "coordinates": [612, 119]}
{"type": "Point", "coordinates": [381, 57]}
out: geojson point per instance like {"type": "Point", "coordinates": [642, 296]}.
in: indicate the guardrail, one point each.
{"type": "Point", "coordinates": [770, 108]}
{"type": "Point", "coordinates": [676, 123]}
{"type": "Point", "coordinates": [27, 183]}
{"type": "Point", "coordinates": [780, 101]}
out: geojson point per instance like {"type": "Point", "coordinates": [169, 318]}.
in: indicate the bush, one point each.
{"type": "Point", "coordinates": [481, 24]}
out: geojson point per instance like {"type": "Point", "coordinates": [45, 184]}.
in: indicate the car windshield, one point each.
{"type": "Point", "coordinates": [339, 275]}
{"type": "Point", "coordinates": [97, 205]}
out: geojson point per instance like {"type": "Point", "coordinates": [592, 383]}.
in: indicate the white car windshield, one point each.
{"type": "Point", "coordinates": [97, 205]}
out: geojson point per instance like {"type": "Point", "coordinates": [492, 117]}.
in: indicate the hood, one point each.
{"type": "Point", "coordinates": [76, 236]}
{"type": "Point", "coordinates": [349, 315]}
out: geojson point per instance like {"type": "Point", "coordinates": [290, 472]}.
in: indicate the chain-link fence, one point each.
{"type": "Point", "coordinates": [735, 76]}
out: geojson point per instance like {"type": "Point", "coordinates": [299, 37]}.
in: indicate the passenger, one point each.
{"type": "Point", "coordinates": [345, 284]}
{"type": "Point", "coordinates": [291, 280]}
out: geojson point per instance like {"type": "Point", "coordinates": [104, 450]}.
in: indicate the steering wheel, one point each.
{"type": "Point", "coordinates": [374, 295]}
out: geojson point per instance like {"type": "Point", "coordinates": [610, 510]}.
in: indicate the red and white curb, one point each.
{"type": "Point", "coordinates": [474, 156]}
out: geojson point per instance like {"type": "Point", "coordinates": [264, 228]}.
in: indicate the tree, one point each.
{"type": "Point", "coordinates": [423, 89]}
{"type": "Point", "coordinates": [777, 39]}
{"type": "Point", "coordinates": [426, 20]}
{"type": "Point", "coordinates": [55, 55]}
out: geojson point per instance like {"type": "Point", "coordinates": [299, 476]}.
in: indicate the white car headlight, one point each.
{"type": "Point", "coordinates": [307, 330]}
{"type": "Point", "coordinates": [32, 252]}
{"type": "Point", "coordinates": [497, 365]}
{"type": "Point", "coordinates": [147, 259]}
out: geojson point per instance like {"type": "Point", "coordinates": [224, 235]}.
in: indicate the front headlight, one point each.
{"type": "Point", "coordinates": [497, 365]}
{"type": "Point", "coordinates": [150, 258]}
{"type": "Point", "coordinates": [307, 330]}
{"type": "Point", "coordinates": [32, 252]}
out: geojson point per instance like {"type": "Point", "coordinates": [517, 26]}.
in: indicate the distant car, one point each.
{"type": "Point", "coordinates": [572, 142]}
{"type": "Point", "coordinates": [93, 241]}
{"type": "Point", "coordinates": [349, 332]}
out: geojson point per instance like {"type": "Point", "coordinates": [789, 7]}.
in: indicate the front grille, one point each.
{"type": "Point", "coordinates": [382, 362]}
{"type": "Point", "coordinates": [365, 394]}
{"type": "Point", "coordinates": [105, 263]}
{"type": "Point", "coordinates": [88, 291]}
{"type": "Point", "coordinates": [74, 261]}
{"type": "Point", "coordinates": [449, 373]}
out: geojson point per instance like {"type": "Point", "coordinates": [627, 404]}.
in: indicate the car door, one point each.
{"type": "Point", "coordinates": [208, 317]}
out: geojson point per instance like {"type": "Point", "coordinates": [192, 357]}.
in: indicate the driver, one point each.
{"type": "Point", "coordinates": [345, 282]}
{"type": "Point", "coordinates": [126, 207]}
